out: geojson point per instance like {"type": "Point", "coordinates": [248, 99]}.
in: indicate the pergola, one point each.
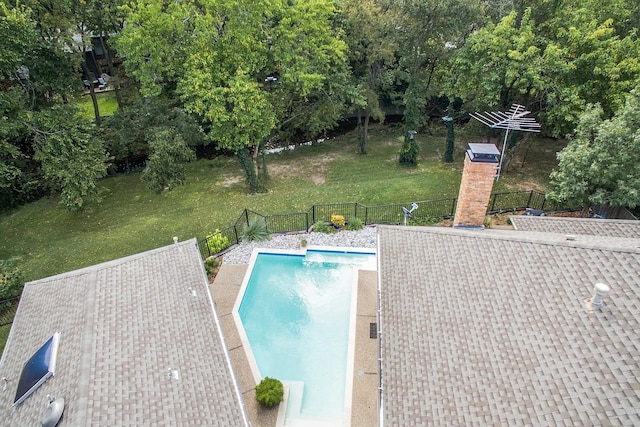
{"type": "Point", "coordinates": [514, 119]}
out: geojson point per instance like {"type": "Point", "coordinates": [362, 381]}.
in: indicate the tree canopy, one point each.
{"type": "Point", "coordinates": [217, 55]}
{"type": "Point", "coordinates": [601, 164]}
{"type": "Point", "coordinates": [248, 74]}
{"type": "Point", "coordinates": [553, 57]}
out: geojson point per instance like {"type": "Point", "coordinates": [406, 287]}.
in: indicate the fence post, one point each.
{"type": "Point", "coordinates": [530, 196]}
{"type": "Point", "coordinates": [235, 232]}
{"type": "Point", "coordinates": [246, 215]}
{"type": "Point", "coordinates": [313, 214]}
{"type": "Point", "coordinates": [206, 243]}
{"type": "Point", "coordinates": [493, 203]}
{"type": "Point", "coordinates": [453, 206]}
{"type": "Point", "coordinates": [366, 214]}
{"type": "Point", "coordinates": [544, 200]}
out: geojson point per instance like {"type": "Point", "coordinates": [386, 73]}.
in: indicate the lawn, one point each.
{"type": "Point", "coordinates": [48, 240]}
{"type": "Point", "coordinates": [107, 104]}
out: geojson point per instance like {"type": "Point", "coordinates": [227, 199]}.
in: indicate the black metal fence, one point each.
{"type": "Point", "coordinates": [8, 309]}
{"type": "Point", "coordinates": [428, 210]}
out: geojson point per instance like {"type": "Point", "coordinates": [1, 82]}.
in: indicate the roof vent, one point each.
{"type": "Point", "coordinates": [570, 236]}
{"type": "Point", "coordinates": [175, 240]}
{"type": "Point", "coordinates": [599, 291]}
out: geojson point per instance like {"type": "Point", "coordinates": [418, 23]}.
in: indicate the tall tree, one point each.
{"type": "Point", "coordinates": [554, 57]}
{"type": "Point", "coordinates": [601, 164]}
{"type": "Point", "coordinates": [371, 53]}
{"type": "Point", "coordinates": [72, 160]}
{"type": "Point", "coordinates": [18, 37]}
{"type": "Point", "coordinates": [166, 166]}
{"type": "Point", "coordinates": [127, 133]}
{"type": "Point", "coordinates": [216, 56]}
{"type": "Point", "coordinates": [426, 32]}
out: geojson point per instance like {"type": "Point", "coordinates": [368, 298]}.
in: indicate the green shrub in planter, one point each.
{"type": "Point", "coordinates": [255, 231]}
{"type": "Point", "coordinates": [323, 227]}
{"type": "Point", "coordinates": [354, 224]}
{"type": "Point", "coordinates": [217, 241]}
{"type": "Point", "coordinates": [210, 263]}
{"type": "Point", "coordinates": [270, 392]}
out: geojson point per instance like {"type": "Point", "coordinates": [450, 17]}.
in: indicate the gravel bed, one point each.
{"type": "Point", "coordinates": [365, 238]}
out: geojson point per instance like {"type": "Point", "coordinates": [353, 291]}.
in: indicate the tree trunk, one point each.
{"type": "Point", "coordinates": [261, 164]}
{"type": "Point", "coordinates": [96, 109]}
{"type": "Point", "coordinates": [112, 71]}
{"type": "Point", "coordinates": [365, 130]}
{"type": "Point", "coordinates": [249, 167]}
{"type": "Point", "coordinates": [360, 133]}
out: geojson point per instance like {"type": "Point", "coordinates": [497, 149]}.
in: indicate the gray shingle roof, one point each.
{"type": "Point", "coordinates": [124, 326]}
{"type": "Point", "coordinates": [585, 226]}
{"type": "Point", "coordinates": [490, 328]}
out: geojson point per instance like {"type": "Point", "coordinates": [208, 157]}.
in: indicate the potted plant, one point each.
{"type": "Point", "coordinates": [270, 392]}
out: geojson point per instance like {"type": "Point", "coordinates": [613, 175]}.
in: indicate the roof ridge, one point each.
{"type": "Point", "coordinates": [536, 237]}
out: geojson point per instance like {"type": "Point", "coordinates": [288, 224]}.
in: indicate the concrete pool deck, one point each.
{"type": "Point", "coordinates": [364, 413]}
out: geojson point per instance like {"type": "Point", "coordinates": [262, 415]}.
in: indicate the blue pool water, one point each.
{"type": "Point", "coordinates": [296, 311]}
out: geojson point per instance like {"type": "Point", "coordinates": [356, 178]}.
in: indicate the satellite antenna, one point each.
{"type": "Point", "coordinates": [409, 213]}
{"type": "Point", "coordinates": [514, 119]}
{"type": "Point", "coordinates": [53, 412]}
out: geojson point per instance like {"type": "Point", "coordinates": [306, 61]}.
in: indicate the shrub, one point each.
{"type": "Point", "coordinates": [210, 264]}
{"type": "Point", "coordinates": [354, 224]}
{"type": "Point", "coordinates": [337, 220]}
{"type": "Point", "coordinates": [11, 279]}
{"type": "Point", "coordinates": [269, 392]}
{"type": "Point", "coordinates": [323, 227]}
{"type": "Point", "coordinates": [217, 242]}
{"type": "Point", "coordinates": [255, 231]}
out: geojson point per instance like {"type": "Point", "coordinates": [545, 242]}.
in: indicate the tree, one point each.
{"type": "Point", "coordinates": [55, 58]}
{"type": "Point", "coordinates": [499, 64]}
{"type": "Point", "coordinates": [72, 160]}
{"type": "Point", "coordinates": [409, 150]}
{"type": "Point", "coordinates": [104, 18]}
{"type": "Point", "coordinates": [554, 57]}
{"type": "Point", "coordinates": [166, 166]}
{"type": "Point", "coordinates": [426, 33]}
{"type": "Point", "coordinates": [601, 164]}
{"type": "Point", "coordinates": [371, 51]}
{"type": "Point", "coordinates": [216, 56]}
{"type": "Point", "coordinates": [127, 132]}
{"type": "Point", "coordinates": [11, 278]}
{"type": "Point", "coordinates": [18, 177]}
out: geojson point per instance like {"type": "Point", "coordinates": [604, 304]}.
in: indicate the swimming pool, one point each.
{"type": "Point", "coordinates": [297, 315]}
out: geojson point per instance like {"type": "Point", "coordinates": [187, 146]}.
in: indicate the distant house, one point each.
{"type": "Point", "coordinates": [140, 344]}
{"type": "Point", "coordinates": [492, 327]}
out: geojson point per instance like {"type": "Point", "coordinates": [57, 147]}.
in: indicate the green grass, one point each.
{"type": "Point", "coordinates": [48, 240]}
{"type": "Point", "coordinates": [107, 104]}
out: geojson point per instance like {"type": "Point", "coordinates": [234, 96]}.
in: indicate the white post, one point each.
{"type": "Point", "coordinates": [504, 147]}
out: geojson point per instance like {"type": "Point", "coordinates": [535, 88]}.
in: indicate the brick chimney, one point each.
{"type": "Point", "coordinates": [480, 168]}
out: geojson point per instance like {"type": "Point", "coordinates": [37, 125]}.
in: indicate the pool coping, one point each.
{"type": "Point", "coordinates": [225, 290]}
